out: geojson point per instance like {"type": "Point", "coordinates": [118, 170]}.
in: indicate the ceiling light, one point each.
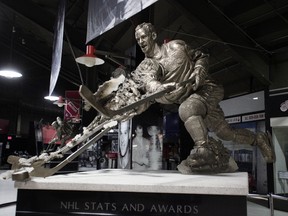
{"type": "Point", "coordinates": [9, 73]}
{"type": "Point", "coordinates": [89, 59]}
{"type": "Point", "coordinates": [51, 98]}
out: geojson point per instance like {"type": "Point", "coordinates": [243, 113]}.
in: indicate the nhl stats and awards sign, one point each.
{"type": "Point", "coordinates": [47, 202]}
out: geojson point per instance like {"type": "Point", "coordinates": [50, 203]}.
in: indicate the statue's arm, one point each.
{"type": "Point", "coordinates": [148, 75]}
{"type": "Point", "coordinates": [201, 65]}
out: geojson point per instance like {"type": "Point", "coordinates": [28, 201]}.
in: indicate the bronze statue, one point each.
{"type": "Point", "coordinates": [199, 101]}
{"type": "Point", "coordinates": [171, 73]}
{"type": "Point", "coordinates": [183, 71]}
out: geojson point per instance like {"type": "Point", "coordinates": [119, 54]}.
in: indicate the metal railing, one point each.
{"type": "Point", "coordinates": [269, 198]}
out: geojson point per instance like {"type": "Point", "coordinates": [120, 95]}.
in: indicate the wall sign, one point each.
{"type": "Point", "coordinates": [127, 203]}
{"type": "Point", "coordinates": [233, 120]}
{"type": "Point", "coordinates": [253, 117]}
{"type": "Point", "coordinates": [72, 106]}
{"type": "Point", "coordinates": [246, 118]}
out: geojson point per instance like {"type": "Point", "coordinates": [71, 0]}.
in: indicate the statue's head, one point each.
{"type": "Point", "coordinates": [146, 35]}
{"type": "Point", "coordinates": [146, 26]}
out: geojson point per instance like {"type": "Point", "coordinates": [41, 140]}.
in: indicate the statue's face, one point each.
{"type": "Point", "coordinates": [146, 41]}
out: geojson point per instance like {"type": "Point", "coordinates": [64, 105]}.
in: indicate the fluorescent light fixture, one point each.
{"type": "Point", "coordinates": [9, 73]}
{"type": "Point", "coordinates": [51, 98]}
{"type": "Point", "coordinates": [255, 98]}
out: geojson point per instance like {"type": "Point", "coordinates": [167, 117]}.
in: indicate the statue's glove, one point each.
{"type": "Point", "coordinates": [200, 76]}
{"type": "Point", "coordinates": [170, 85]}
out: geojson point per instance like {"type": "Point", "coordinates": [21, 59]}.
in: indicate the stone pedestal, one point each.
{"type": "Point", "coordinates": [128, 192]}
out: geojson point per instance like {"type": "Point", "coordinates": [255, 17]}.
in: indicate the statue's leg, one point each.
{"type": "Point", "coordinates": [197, 129]}
{"type": "Point", "coordinates": [264, 143]}
{"type": "Point", "coordinates": [195, 109]}
{"type": "Point", "coordinates": [208, 154]}
{"type": "Point", "coordinates": [192, 112]}
{"type": "Point", "coordinates": [240, 135]}
{"type": "Point", "coordinates": [245, 136]}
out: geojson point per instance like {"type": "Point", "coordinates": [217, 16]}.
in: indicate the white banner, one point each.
{"type": "Point", "coordinates": [105, 14]}
{"type": "Point", "coordinates": [57, 46]}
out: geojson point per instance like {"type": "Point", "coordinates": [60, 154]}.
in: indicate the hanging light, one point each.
{"type": "Point", "coordinates": [89, 59]}
{"type": "Point", "coordinates": [10, 72]}
{"type": "Point", "coordinates": [51, 98]}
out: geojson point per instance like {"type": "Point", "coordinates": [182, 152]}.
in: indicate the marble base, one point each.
{"type": "Point", "coordinates": [128, 192]}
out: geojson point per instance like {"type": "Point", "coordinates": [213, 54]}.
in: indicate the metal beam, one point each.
{"type": "Point", "coordinates": [256, 62]}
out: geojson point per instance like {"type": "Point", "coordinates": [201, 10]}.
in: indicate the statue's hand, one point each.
{"type": "Point", "coordinates": [172, 86]}
{"type": "Point", "coordinates": [200, 76]}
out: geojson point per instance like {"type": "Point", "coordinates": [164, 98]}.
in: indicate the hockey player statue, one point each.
{"type": "Point", "coordinates": [171, 73]}
{"type": "Point", "coordinates": [183, 72]}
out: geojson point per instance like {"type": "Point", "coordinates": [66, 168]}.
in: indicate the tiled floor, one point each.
{"type": "Point", "coordinates": [8, 195]}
